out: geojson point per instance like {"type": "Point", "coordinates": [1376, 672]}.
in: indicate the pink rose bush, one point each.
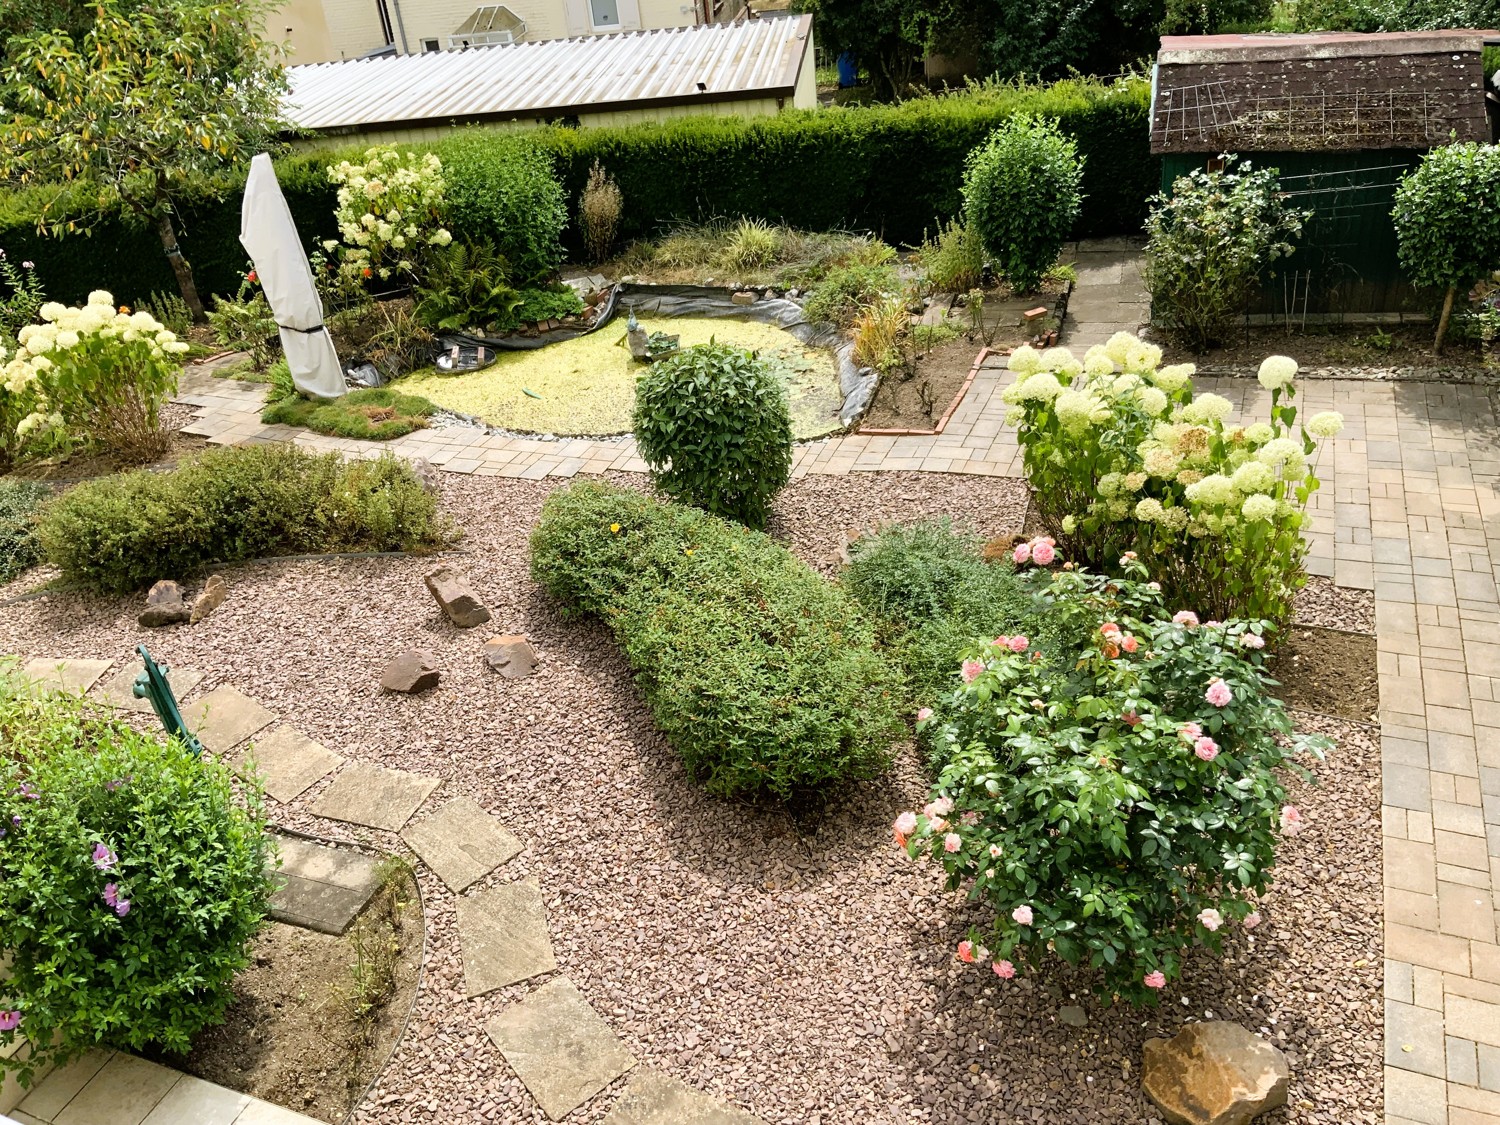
{"type": "Point", "coordinates": [1117, 806]}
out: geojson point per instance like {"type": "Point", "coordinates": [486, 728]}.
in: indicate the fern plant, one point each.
{"type": "Point", "coordinates": [466, 285]}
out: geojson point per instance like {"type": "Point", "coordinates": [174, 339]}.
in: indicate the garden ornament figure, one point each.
{"type": "Point", "coordinates": [152, 685]}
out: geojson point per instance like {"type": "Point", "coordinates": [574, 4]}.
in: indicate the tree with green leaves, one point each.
{"type": "Point", "coordinates": [1447, 219]}
{"type": "Point", "coordinates": [150, 101]}
{"type": "Point", "coordinates": [890, 37]}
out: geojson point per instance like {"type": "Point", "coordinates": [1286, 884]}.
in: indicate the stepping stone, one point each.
{"type": "Point", "coordinates": [126, 1089]}
{"type": "Point", "coordinates": [653, 1098]}
{"type": "Point", "coordinates": [49, 1096]}
{"type": "Point", "coordinates": [72, 676]}
{"type": "Point", "coordinates": [560, 1049]}
{"type": "Point", "coordinates": [194, 1100]}
{"type": "Point", "coordinates": [224, 718]}
{"type": "Point", "coordinates": [462, 843]}
{"type": "Point", "coordinates": [374, 796]}
{"type": "Point", "coordinates": [288, 761]}
{"type": "Point", "coordinates": [503, 935]}
{"type": "Point", "coordinates": [117, 691]}
{"type": "Point", "coordinates": [321, 888]}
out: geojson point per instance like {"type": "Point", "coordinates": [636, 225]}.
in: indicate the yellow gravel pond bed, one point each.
{"type": "Point", "coordinates": [586, 386]}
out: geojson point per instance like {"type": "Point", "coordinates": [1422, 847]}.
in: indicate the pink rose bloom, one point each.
{"type": "Point", "coordinates": [943, 806]}
{"type": "Point", "coordinates": [1019, 644]}
{"type": "Point", "coordinates": [970, 818]}
{"type": "Point", "coordinates": [1022, 915]}
{"type": "Point", "coordinates": [1109, 627]}
{"type": "Point", "coordinates": [1190, 731]}
{"type": "Point", "coordinates": [1131, 555]}
{"type": "Point", "coordinates": [951, 842]}
{"type": "Point", "coordinates": [1130, 718]}
{"type": "Point", "coordinates": [1021, 554]}
{"type": "Point", "coordinates": [1206, 748]}
{"type": "Point", "coordinates": [906, 823]}
{"type": "Point", "coordinates": [1130, 644]}
{"type": "Point", "coordinates": [1291, 820]}
{"type": "Point", "coordinates": [966, 951]}
{"type": "Point", "coordinates": [1004, 970]}
{"type": "Point", "coordinates": [1185, 617]}
{"type": "Point", "coordinates": [1042, 553]}
{"type": "Point", "coordinates": [1212, 624]}
{"type": "Point", "coordinates": [1218, 693]}
{"type": "Point", "coordinates": [971, 670]}
{"type": "Point", "coordinates": [1252, 919]}
{"type": "Point", "coordinates": [924, 714]}
{"type": "Point", "coordinates": [994, 851]}
{"type": "Point", "coordinates": [1154, 980]}
{"type": "Point", "coordinates": [1210, 919]}
{"type": "Point", "coordinates": [1253, 640]}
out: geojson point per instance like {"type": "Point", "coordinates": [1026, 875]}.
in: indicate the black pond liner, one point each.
{"type": "Point", "coordinates": [856, 384]}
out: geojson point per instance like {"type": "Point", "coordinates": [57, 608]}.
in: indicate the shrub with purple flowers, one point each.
{"type": "Point", "coordinates": [1118, 806]}
{"type": "Point", "coordinates": [132, 878]}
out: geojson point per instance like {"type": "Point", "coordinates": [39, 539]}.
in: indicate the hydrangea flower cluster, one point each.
{"type": "Point", "coordinates": [1122, 454]}
{"type": "Point", "coordinates": [390, 210]}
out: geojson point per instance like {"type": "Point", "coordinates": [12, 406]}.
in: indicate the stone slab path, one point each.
{"type": "Point", "coordinates": [119, 690]}
{"type": "Point", "coordinates": [461, 843]}
{"type": "Point", "coordinates": [374, 796]}
{"type": "Point", "coordinates": [653, 1098]}
{"type": "Point", "coordinates": [502, 933]}
{"type": "Point", "coordinates": [224, 718]}
{"type": "Point", "coordinates": [320, 887]}
{"type": "Point", "coordinates": [113, 1088]}
{"type": "Point", "coordinates": [287, 761]}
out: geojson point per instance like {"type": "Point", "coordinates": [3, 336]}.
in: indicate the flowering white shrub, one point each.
{"type": "Point", "coordinates": [1115, 804]}
{"type": "Point", "coordinates": [390, 211]}
{"type": "Point", "coordinates": [93, 375]}
{"type": "Point", "coordinates": [1123, 457]}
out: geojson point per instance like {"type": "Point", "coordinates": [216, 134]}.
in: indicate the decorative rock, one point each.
{"type": "Point", "coordinates": [1073, 1016]}
{"type": "Point", "coordinates": [215, 590]}
{"type": "Point", "coordinates": [458, 600]}
{"type": "Point", "coordinates": [164, 606]}
{"type": "Point", "coordinates": [426, 472]}
{"type": "Point", "coordinates": [1214, 1073]}
{"type": "Point", "coordinates": [744, 297]}
{"type": "Point", "coordinates": [511, 655]}
{"type": "Point", "coordinates": [414, 670]}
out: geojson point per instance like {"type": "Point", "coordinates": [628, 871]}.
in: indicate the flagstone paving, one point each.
{"type": "Point", "coordinates": [224, 718]}
{"type": "Point", "coordinates": [653, 1098]}
{"type": "Point", "coordinates": [320, 887]}
{"type": "Point", "coordinates": [287, 761]}
{"type": "Point", "coordinates": [71, 676]}
{"type": "Point", "coordinates": [374, 796]}
{"type": "Point", "coordinates": [503, 935]}
{"type": "Point", "coordinates": [461, 843]}
{"type": "Point", "coordinates": [118, 691]}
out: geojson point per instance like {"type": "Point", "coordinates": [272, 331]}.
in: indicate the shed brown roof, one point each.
{"type": "Point", "coordinates": [1341, 91]}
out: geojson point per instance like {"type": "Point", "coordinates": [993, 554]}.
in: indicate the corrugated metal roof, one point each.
{"type": "Point", "coordinates": [557, 77]}
{"type": "Point", "coordinates": [1270, 46]}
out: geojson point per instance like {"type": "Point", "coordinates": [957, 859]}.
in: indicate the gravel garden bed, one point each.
{"type": "Point", "coordinates": [800, 967]}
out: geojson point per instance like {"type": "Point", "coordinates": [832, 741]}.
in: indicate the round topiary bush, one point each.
{"type": "Point", "coordinates": [1021, 197]}
{"type": "Point", "coordinates": [714, 425]}
{"type": "Point", "coordinates": [132, 878]}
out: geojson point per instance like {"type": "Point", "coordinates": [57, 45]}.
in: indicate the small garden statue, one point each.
{"type": "Point", "coordinates": [152, 685]}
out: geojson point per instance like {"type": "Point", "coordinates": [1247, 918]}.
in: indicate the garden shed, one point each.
{"type": "Point", "coordinates": [1343, 116]}
{"type": "Point", "coordinates": [750, 68]}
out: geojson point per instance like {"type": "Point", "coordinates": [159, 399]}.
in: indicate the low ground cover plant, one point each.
{"type": "Point", "coordinates": [1122, 456]}
{"type": "Point", "coordinates": [132, 878]}
{"type": "Point", "coordinates": [370, 414]}
{"type": "Point", "coordinates": [762, 675]}
{"type": "Point", "coordinates": [1117, 808]}
{"type": "Point", "coordinates": [848, 289]}
{"type": "Point", "coordinates": [121, 533]}
{"type": "Point", "coordinates": [20, 501]}
{"type": "Point", "coordinates": [713, 424]}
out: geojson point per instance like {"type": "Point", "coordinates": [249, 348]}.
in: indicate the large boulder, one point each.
{"type": "Point", "coordinates": [165, 606]}
{"type": "Point", "coordinates": [510, 655]}
{"type": "Point", "coordinates": [215, 590]}
{"type": "Point", "coordinates": [459, 602]}
{"type": "Point", "coordinates": [1214, 1073]}
{"type": "Point", "coordinates": [412, 671]}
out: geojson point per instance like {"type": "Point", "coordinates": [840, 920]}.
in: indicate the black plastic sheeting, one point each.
{"type": "Point", "coordinates": [856, 384]}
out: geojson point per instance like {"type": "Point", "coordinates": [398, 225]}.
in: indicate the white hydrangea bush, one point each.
{"type": "Point", "coordinates": [92, 375]}
{"type": "Point", "coordinates": [1123, 456]}
{"type": "Point", "coordinates": [390, 213]}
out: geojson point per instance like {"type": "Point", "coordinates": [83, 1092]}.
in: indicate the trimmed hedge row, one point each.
{"type": "Point", "coordinates": [895, 170]}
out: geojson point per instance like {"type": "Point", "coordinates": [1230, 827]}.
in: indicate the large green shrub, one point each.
{"type": "Point", "coordinates": [1121, 456]}
{"type": "Point", "coordinates": [121, 533]}
{"type": "Point", "coordinates": [20, 501]}
{"type": "Point", "coordinates": [893, 169]}
{"type": "Point", "coordinates": [1447, 218]}
{"type": "Point", "coordinates": [501, 188]}
{"type": "Point", "coordinates": [713, 424]}
{"type": "Point", "coordinates": [762, 675]}
{"type": "Point", "coordinates": [1021, 197]}
{"type": "Point", "coordinates": [132, 878]}
{"type": "Point", "coordinates": [1210, 240]}
{"type": "Point", "coordinates": [1117, 809]}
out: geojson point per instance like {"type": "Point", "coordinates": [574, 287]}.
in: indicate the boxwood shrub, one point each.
{"type": "Point", "coordinates": [125, 532]}
{"type": "Point", "coordinates": [763, 676]}
{"type": "Point", "coordinates": [132, 878]}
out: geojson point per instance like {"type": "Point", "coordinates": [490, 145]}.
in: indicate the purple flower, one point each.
{"type": "Point", "coordinates": [113, 898]}
{"type": "Point", "coordinates": [9, 1021]}
{"type": "Point", "coordinates": [16, 820]}
{"type": "Point", "coordinates": [28, 791]}
{"type": "Point", "coordinates": [104, 859]}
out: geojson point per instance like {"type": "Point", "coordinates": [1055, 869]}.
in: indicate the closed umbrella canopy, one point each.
{"type": "Point", "coordinates": [270, 238]}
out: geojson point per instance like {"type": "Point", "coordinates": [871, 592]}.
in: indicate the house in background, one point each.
{"type": "Point", "coordinates": [330, 30]}
{"type": "Point", "coordinates": [1343, 116]}
{"type": "Point", "coordinates": [750, 68]}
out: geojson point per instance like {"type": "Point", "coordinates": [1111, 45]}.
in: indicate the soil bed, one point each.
{"type": "Point", "coordinates": [1347, 345]}
{"type": "Point", "coordinates": [918, 402]}
{"type": "Point", "coordinates": [291, 1036]}
{"type": "Point", "coordinates": [1328, 672]}
{"type": "Point", "coordinates": [803, 971]}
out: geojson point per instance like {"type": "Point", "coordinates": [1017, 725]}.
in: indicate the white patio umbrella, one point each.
{"type": "Point", "coordinates": [270, 238]}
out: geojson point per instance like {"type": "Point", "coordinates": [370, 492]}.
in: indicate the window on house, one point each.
{"type": "Point", "coordinates": [604, 13]}
{"type": "Point", "coordinates": [430, 45]}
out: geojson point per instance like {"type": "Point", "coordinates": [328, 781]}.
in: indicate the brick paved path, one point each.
{"type": "Point", "coordinates": [1408, 509]}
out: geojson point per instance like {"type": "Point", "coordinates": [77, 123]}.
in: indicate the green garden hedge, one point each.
{"type": "Point", "coordinates": [891, 169]}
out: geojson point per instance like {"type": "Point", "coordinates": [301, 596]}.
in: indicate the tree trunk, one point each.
{"type": "Point", "coordinates": [1442, 329]}
{"type": "Point", "coordinates": [180, 267]}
